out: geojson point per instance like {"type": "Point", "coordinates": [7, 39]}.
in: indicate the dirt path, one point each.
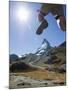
{"type": "Point", "coordinates": [35, 66]}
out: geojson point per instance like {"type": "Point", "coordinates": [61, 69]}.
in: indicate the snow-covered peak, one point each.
{"type": "Point", "coordinates": [44, 47]}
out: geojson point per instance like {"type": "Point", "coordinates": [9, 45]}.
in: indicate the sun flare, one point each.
{"type": "Point", "coordinates": [22, 14]}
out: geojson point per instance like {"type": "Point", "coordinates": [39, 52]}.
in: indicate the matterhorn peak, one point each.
{"type": "Point", "coordinates": [45, 46]}
{"type": "Point", "coordinates": [44, 41]}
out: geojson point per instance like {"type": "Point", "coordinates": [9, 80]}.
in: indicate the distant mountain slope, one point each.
{"type": "Point", "coordinates": [51, 58]}
{"type": "Point", "coordinates": [56, 59]}
{"type": "Point", "coordinates": [63, 44]}
{"type": "Point", "coordinates": [13, 57]}
{"type": "Point", "coordinates": [43, 50]}
{"type": "Point", "coordinates": [21, 67]}
{"type": "Point", "coordinates": [47, 57]}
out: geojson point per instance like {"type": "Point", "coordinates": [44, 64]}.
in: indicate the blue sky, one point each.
{"type": "Point", "coordinates": [23, 38]}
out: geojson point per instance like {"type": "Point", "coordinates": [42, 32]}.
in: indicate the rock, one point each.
{"type": "Point", "coordinates": [62, 68]}
{"type": "Point", "coordinates": [46, 83]}
{"type": "Point", "coordinates": [58, 83]}
{"type": "Point", "coordinates": [23, 84]}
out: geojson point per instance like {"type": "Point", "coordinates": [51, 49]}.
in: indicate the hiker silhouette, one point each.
{"type": "Point", "coordinates": [58, 13]}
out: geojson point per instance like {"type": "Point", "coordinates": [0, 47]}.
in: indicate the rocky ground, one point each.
{"type": "Point", "coordinates": [30, 80]}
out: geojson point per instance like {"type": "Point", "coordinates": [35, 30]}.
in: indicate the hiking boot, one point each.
{"type": "Point", "coordinates": [62, 23]}
{"type": "Point", "coordinates": [43, 25]}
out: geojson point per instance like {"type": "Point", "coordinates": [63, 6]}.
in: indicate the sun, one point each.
{"type": "Point", "coordinates": [22, 14]}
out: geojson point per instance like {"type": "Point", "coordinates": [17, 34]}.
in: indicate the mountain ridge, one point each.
{"type": "Point", "coordinates": [50, 58]}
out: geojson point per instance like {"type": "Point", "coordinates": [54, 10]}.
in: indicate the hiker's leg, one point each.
{"type": "Point", "coordinates": [62, 20]}
{"type": "Point", "coordinates": [59, 12]}
{"type": "Point", "coordinates": [57, 9]}
{"type": "Point", "coordinates": [62, 23]}
{"type": "Point", "coordinates": [42, 26]}
{"type": "Point", "coordinates": [40, 17]}
{"type": "Point", "coordinates": [43, 12]}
